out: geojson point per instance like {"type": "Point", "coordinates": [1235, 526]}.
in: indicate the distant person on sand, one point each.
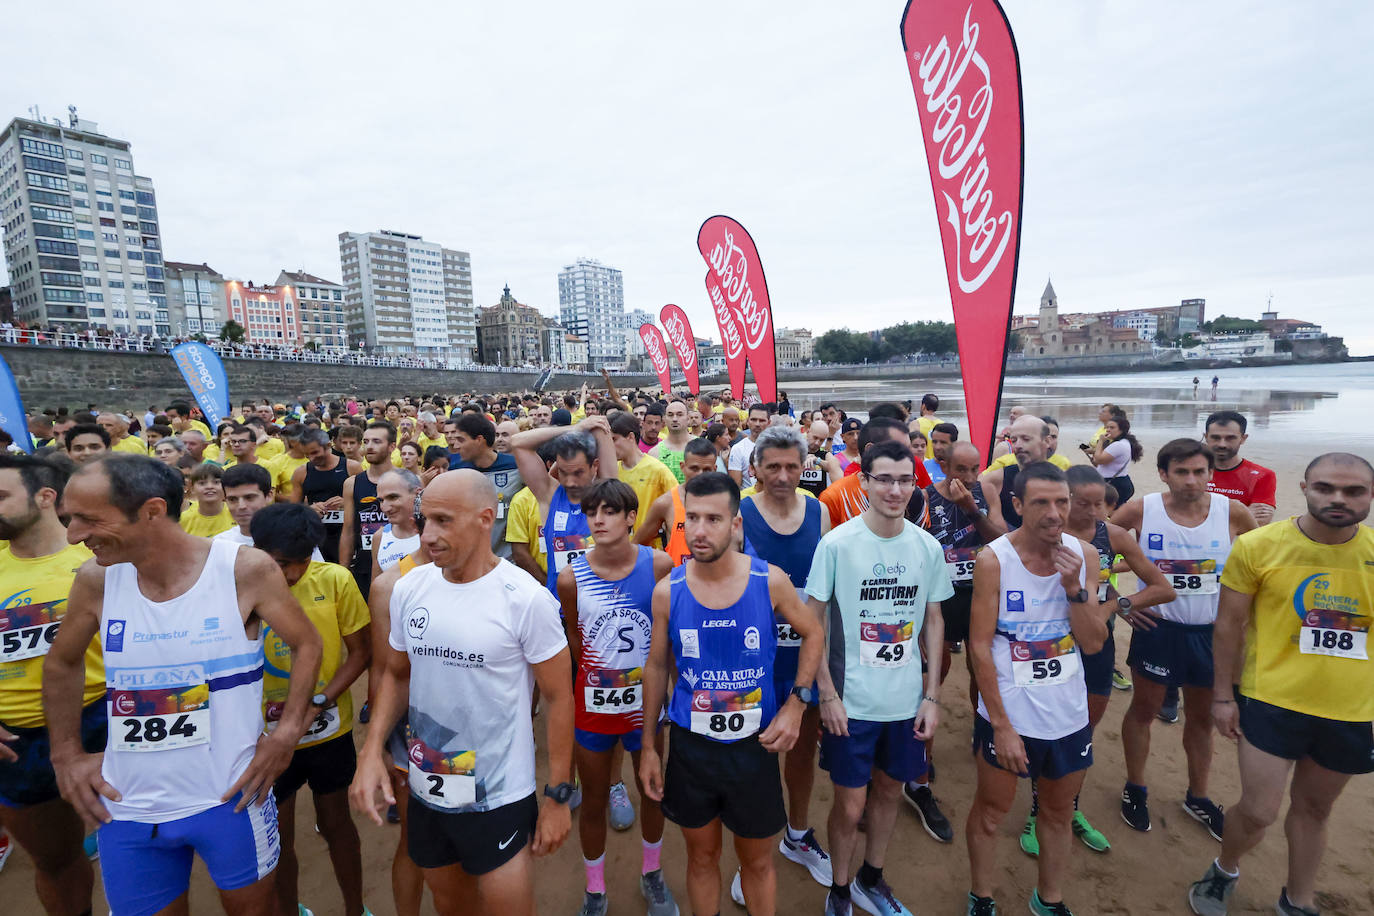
{"type": "Point", "coordinates": [1196, 381]}
{"type": "Point", "coordinates": [1215, 380]}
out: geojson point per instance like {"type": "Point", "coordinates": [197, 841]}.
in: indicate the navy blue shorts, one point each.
{"type": "Point", "coordinates": [30, 779]}
{"type": "Point", "coordinates": [599, 743]}
{"type": "Point", "coordinates": [1175, 654]}
{"type": "Point", "coordinates": [147, 866]}
{"type": "Point", "coordinates": [1046, 758]}
{"type": "Point", "coordinates": [326, 767]}
{"type": "Point", "coordinates": [1097, 668]}
{"type": "Point", "coordinates": [1342, 747]}
{"type": "Point", "coordinates": [889, 746]}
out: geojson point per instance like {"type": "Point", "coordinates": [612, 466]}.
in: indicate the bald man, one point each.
{"type": "Point", "coordinates": [1003, 446]}
{"type": "Point", "coordinates": [466, 633]}
{"type": "Point", "coordinates": [1028, 437]}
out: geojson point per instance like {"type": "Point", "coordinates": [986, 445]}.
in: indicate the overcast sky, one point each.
{"type": "Point", "coordinates": [1173, 150]}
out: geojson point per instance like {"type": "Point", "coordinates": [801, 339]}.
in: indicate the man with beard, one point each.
{"type": "Point", "coordinates": [319, 483]}
{"type": "Point", "coordinates": [1306, 693]}
{"type": "Point", "coordinates": [474, 436]}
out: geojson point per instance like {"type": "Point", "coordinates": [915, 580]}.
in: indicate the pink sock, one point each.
{"type": "Point", "coordinates": [596, 874]}
{"type": "Point", "coordinates": [651, 851]}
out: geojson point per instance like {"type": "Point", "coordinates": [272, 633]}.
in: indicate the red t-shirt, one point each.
{"type": "Point", "coordinates": [1248, 482]}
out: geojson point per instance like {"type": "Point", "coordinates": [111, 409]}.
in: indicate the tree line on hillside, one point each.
{"type": "Point", "coordinates": [898, 342]}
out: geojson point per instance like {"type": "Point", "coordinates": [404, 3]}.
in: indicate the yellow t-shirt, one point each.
{"type": "Point", "coordinates": [1009, 459]}
{"type": "Point", "coordinates": [1306, 596]}
{"type": "Point", "coordinates": [334, 605]}
{"type": "Point", "coordinates": [650, 479]}
{"type": "Point", "coordinates": [524, 527]}
{"type": "Point", "coordinates": [926, 424]}
{"type": "Point", "coordinates": [272, 448]}
{"type": "Point", "coordinates": [283, 469]}
{"type": "Point", "coordinates": [425, 442]}
{"type": "Point", "coordinates": [131, 444]}
{"type": "Point", "coordinates": [197, 424]}
{"type": "Point", "coordinates": [396, 457]}
{"type": "Point", "coordinates": [1101, 431]}
{"type": "Point", "coordinates": [750, 491]}
{"type": "Point", "coordinates": [212, 453]}
{"type": "Point", "coordinates": [205, 526]}
{"type": "Point", "coordinates": [35, 601]}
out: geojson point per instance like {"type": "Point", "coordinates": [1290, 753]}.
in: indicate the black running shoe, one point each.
{"type": "Point", "coordinates": [932, 818]}
{"type": "Point", "coordinates": [1207, 813]}
{"type": "Point", "coordinates": [1135, 807]}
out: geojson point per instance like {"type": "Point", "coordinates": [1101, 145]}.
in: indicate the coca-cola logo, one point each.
{"type": "Point", "coordinates": [731, 340]}
{"type": "Point", "coordinates": [956, 88]}
{"type": "Point", "coordinates": [731, 265]}
{"type": "Point", "coordinates": [686, 349]}
{"type": "Point", "coordinates": [654, 345]}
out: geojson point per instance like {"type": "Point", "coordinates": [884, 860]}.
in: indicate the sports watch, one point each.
{"type": "Point", "coordinates": [319, 700]}
{"type": "Point", "coordinates": [802, 693]}
{"type": "Point", "coordinates": [560, 793]}
{"type": "Point", "coordinates": [1079, 597]}
{"type": "Point", "coordinates": [1123, 605]}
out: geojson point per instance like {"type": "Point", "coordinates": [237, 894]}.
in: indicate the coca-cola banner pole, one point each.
{"type": "Point", "coordinates": [967, 77]}
{"type": "Point", "coordinates": [737, 274]}
{"type": "Point", "coordinates": [678, 330]}
{"type": "Point", "coordinates": [658, 354]}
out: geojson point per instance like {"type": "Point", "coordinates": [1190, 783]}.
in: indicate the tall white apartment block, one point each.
{"type": "Point", "coordinates": [81, 235]}
{"type": "Point", "coordinates": [591, 305]}
{"type": "Point", "coordinates": [404, 295]}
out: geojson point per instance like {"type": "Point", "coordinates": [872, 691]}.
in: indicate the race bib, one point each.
{"type": "Point", "coordinates": [1045, 663]}
{"type": "Point", "coordinates": [568, 547]}
{"type": "Point", "coordinates": [324, 725]}
{"type": "Point", "coordinates": [788, 638]}
{"type": "Point", "coordinates": [1192, 577]}
{"type": "Point", "coordinates": [812, 475]}
{"type": "Point", "coordinates": [159, 719]}
{"type": "Point", "coordinates": [959, 564]}
{"type": "Point", "coordinates": [612, 692]}
{"type": "Point", "coordinates": [442, 780]}
{"type": "Point", "coordinates": [500, 508]}
{"type": "Point", "coordinates": [367, 532]}
{"type": "Point", "coordinates": [885, 645]}
{"type": "Point", "coordinates": [727, 715]}
{"type": "Point", "coordinates": [332, 517]}
{"type": "Point", "coordinates": [27, 642]}
{"type": "Point", "coordinates": [1330, 633]}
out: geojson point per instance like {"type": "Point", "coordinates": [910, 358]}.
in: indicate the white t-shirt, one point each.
{"type": "Point", "coordinates": [740, 453]}
{"type": "Point", "coordinates": [470, 648]}
{"type": "Point", "coordinates": [232, 536]}
{"type": "Point", "coordinates": [1120, 451]}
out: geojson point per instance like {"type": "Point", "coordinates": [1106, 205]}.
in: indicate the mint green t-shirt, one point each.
{"type": "Point", "coordinates": [877, 589]}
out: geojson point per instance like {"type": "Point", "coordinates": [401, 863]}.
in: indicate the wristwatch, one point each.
{"type": "Point", "coordinates": [1123, 605]}
{"type": "Point", "coordinates": [1079, 597]}
{"type": "Point", "coordinates": [802, 693]}
{"type": "Point", "coordinates": [319, 700]}
{"type": "Point", "coordinates": [560, 793]}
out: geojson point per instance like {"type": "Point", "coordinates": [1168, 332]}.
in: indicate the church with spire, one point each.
{"type": "Point", "coordinates": [1076, 335]}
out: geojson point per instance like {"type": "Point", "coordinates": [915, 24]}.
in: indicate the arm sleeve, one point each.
{"type": "Point", "coordinates": [1239, 574]}
{"type": "Point", "coordinates": [820, 582]}
{"type": "Point", "coordinates": [540, 627]}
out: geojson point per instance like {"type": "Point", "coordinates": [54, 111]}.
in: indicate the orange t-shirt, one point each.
{"type": "Point", "coordinates": [677, 539]}
{"type": "Point", "coordinates": [845, 499]}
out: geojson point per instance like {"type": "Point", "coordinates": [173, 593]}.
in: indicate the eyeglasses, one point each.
{"type": "Point", "coordinates": [901, 483]}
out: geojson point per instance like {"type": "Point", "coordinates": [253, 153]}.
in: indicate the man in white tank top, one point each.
{"type": "Point", "coordinates": [187, 768]}
{"type": "Point", "coordinates": [1187, 533]}
{"type": "Point", "coordinates": [399, 538]}
{"type": "Point", "coordinates": [1032, 620]}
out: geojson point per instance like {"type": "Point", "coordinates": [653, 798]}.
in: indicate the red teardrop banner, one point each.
{"type": "Point", "coordinates": [658, 354]}
{"type": "Point", "coordinates": [678, 330]}
{"type": "Point", "coordinates": [737, 286]}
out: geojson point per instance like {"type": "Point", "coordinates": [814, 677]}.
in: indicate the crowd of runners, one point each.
{"type": "Point", "coordinates": [730, 595]}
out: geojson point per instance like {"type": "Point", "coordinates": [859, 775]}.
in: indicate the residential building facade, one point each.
{"type": "Point", "coordinates": [1097, 336]}
{"type": "Point", "coordinates": [511, 333]}
{"type": "Point", "coordinates": [403, 295]}
{"type": "Point", "coordinates": [591, 304]}
{"type": "Point", "coordinates": [270, 315]}
{"type": "Point", "coordinates": [195, 299]}
{"type": "Point", "coordinates": [82, 238]}
{"type": "Point", "coordinates": [324, 323]}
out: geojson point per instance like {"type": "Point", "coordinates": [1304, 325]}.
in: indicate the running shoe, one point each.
{"type": "Point", "coordinates": [878, 899]}
{"type": "Point", "coordinates": [90, 846]}
{"type": "Point", "coordinates": [393, 816]}
{"type": "Point", "coordinates": [1209, 896]}
{"type": "Point", "coordinates": [1286, 907]}
{"type": "Point", "coordinates": [593, 904]}
{"type": "Point", "coordinates": [1030, 840]}
{"type": "Point", "coordinates": [1207, 813]}
{"type": "Point", "coordinates": [622, 809]}
{"type": "Point", "coordinates": [1168, 710]}
{"type": "Point", "coordinates": [365, 714]}
{"type": "Point", "coordinates": [1090, 835]}
{"type": "Point", "coordinates": [837, 906]}
{"type": "Point", "coordinates": [1135, 807]}
{"type": "Point", "coordinates": [303, 910]}
{"type": "Point", "coordinates": [737, 889]}
{"type": "Point", "coordinates": [1121, 681]}
{"type": "Point", "coordinates": [932, 818]}
{"type": "Point", "coordinates": [956, 647]}
{"type": "Point", "coordinates": [1041, 908]}
{"type": "Point", "coordinates": [657, 895]}
{"type": "Point", "coordinates": [981, 906]}
{"type": "Point", "coordinates": [807, 853]}
{"type": "Point", "coordinates": [6, 847]}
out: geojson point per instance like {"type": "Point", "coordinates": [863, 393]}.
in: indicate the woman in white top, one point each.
{"type": "Point", "coordinates": [1113, 453]}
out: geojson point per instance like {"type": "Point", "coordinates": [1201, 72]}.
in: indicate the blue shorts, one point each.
{"type": "Point", "coordinates": [30, 779]}
{"type": "Point", "coordinates": [1046, 758]}
{"type": "Point", "coordinates": [889, 746]}
{"type": "Point", "coordinates": [1098, 667]}
{"type": "Point", "coordinates": [147, 866]}
{"type": "Point", "coordinates": [1174, 654]}
{"type": "Point", "coordinates": [599, 743]}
